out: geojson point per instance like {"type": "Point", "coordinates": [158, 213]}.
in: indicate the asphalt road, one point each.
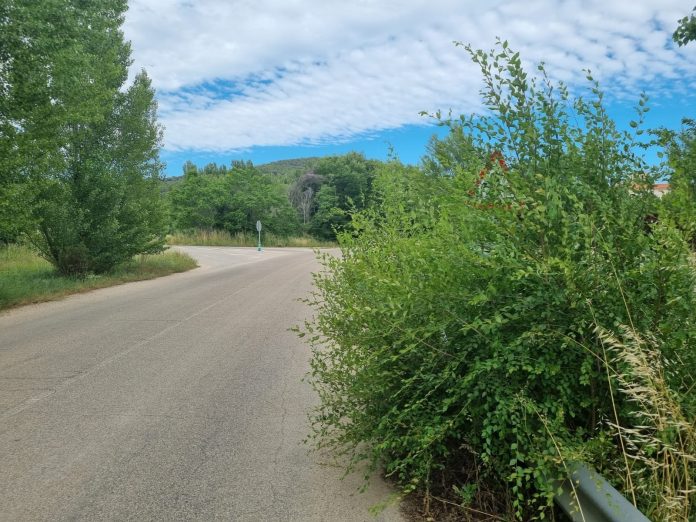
{"type": "Point", "coordinates": [178, 398]}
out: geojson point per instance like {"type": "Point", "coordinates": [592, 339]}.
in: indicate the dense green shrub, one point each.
{"type": "Point", "coordinates": [459, 328]}
{"type": "Point", "coordinates": [679, 204]}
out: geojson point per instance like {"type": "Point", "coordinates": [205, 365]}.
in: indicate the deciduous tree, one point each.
{"type": "Point", "coordinates": [347, 187]}
{"type": "Point", "coordinates": [78, 144]}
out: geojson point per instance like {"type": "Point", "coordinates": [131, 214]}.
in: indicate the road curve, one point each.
{"type": "Point", "coordinates": [178, 398]}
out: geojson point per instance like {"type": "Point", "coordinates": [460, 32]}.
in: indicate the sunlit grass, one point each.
{"type": "Point", "coordinates": [242, 239]}
{"type": "Point", "coordinates": [27, 278]}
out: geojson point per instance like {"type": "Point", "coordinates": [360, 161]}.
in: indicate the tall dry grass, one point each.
{"type": "Point", "coordinates": [243, 239]}
{"type": "Point", "coordinates": [660, 441]}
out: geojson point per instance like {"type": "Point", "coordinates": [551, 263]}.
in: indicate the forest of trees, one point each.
{"type": "Point", "coordinates": [314, 197]}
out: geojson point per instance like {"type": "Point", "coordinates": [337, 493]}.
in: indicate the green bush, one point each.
{"type": "Point", "coordinates": [346, 184]}
{"type": "Point", "coordinates": [459, 328]}
{"type": "Point", "coordinates": [679, 204]}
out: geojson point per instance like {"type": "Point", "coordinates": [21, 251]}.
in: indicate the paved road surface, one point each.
{"type": "Point", "coordinates": [173, 399]}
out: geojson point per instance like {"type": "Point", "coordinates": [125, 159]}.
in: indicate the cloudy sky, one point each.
{"type": "Point", "coordinates": [274, 79]}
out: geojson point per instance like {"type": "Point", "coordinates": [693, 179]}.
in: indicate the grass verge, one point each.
{"type": "Point", "coordinates": [27, 278]}
{"type": "Point", "coordinates": [243, 239]}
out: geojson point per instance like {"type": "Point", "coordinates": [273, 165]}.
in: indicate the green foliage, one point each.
{"type": "Point", "coordinates": [287, 171]}
{"type": "Point", "coordinates": [446, 156]}
{"type": "Point", "coordinates": [197, 201]}
{"type": "Point", "coordinates": [79, 150]}
{"type": "Point", "coordinates": [302, 194]}
{"type": "Point", "coordinates": [104, 207]}
{"type": "Point", "coordinates": [328, 216]}
{"type": "Point", "coordinates": [686, 30]}
{"type": "Point", "coordinates": [255, 197]}
{"type": "Point", "coordinates": [231, 200]}
{"type": "Point", "coordinates": [15, 214]}
{"type": "Point", "coordinates": [460, 323]}
{"type": "Point", "coordinates": [346, 186]}
{"type": "Point", "coordinates": [679, 204]}
{"type": "Point", "coordinates": [318, 201]}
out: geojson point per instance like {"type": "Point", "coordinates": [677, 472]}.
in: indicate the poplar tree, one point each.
{"type": "Point", "coordinates": [78, 145]}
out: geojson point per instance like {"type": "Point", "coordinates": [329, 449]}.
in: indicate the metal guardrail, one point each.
{"type": "Point", "coordinates": [597, 500]}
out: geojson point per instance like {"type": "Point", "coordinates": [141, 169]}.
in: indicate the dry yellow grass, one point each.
{"type": "Point", "coordinates": [241, 239]}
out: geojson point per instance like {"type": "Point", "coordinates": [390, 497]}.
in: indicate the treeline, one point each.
{"type": "Point", "coordinates": [79, 166]}
{"type": "Point", "coordinates": [316, 198]}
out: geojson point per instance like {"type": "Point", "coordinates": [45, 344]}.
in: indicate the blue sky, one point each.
{"type": "Point", "coordinates": [277, 79]}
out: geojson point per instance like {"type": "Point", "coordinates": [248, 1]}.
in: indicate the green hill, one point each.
{"type": "Point", "coordinates": [289, 168]}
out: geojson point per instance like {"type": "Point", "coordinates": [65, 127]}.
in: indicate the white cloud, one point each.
{"type": "Point", "coordinates": [234, 74]}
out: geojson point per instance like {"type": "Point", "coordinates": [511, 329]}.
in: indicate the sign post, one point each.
{"type": "Point", "coordinates": [258, 229]}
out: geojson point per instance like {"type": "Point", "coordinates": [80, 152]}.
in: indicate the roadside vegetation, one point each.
{"type": "Point", "coordinates": [25, 277]}
{"type": "Point", "coordinates": [81, 183]}
{"type": "Point", "coordinates": [520, 302]}
{"type": "Point", "coordinates": [244, 239]}
{"type": "Point", "coordinates": [80, 199]}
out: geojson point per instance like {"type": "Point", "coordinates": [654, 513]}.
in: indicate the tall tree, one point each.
{"type": "Point", "coordinates": [347, 187]}
{"type": "Point", "coordinates": [82, 145]}
{"type": "Point", "coordinates": [198, 200]}
{"type": "Point", "coordinates": [302, 194]}
{"type": "Point", "coordinates": [254, 196]}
